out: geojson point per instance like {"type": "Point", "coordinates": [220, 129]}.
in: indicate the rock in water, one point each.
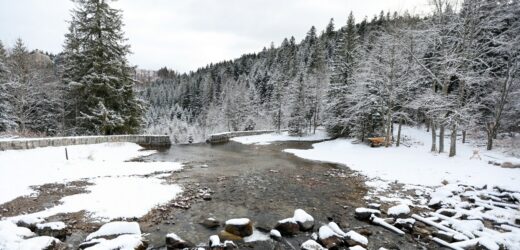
{"type": "Point", "coordinates": [365, 213]}
{"type": "Point", "coordinates": [241, 227]}
{"type": "Point", "coordinates": [399, 211]}
{"type": "Point", "coordinates": [211, 223]}
{"type": "Point", "coordinates": [225, 235]}
{"type": "Point", "coordinates": [329, 238]}
{"type": "Point", "coordinates": [305, 220]}
{"type": "Point", "coordinates": [288, 227]}
{"type": "Point", "coordinates": [53, 229]}
{"type": "Point", "coordinates": [311, 245]}
{"type": "Point", "coordinates": [175, 242]}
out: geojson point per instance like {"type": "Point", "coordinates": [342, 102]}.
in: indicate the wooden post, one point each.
{"type": "Point", "coordinates": [66, 154]}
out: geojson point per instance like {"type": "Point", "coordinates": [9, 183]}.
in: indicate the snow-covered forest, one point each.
{"type": "Point", "coordinates": [456, 69]}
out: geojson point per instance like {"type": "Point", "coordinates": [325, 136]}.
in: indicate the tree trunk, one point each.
{"type": "Point", "coordinates": [427, 126]}
{"type": "Point", "coordinates": [434, 136]}
{"type": "Point", "coordinates": [388, 129]}
{"type": "Point", "coordinates": [463, 136]}
{"type": "Point", "coordinates": [453, 141]}
{"type": "Point", "coordinates": [399, 133]}
{"type": "Point", "coordinates": [441, 139]}
{"type": "Point", "coordinates": [489, 141]}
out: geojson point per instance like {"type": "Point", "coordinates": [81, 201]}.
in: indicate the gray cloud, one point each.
{"type": "Point", "coordinates": [187, 34]}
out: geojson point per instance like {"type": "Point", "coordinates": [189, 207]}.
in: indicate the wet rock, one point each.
{"type": "Point", "coordinates": [448, 213]}
{"type": "Point", "coordinates": [210, 223]}
{"type": "Point", "coordinates": [365, 213]}
{"type": "Point", "coordinates": [225, 235]}
{"type": "Point", "coordinates": [399, 211]}
{"type": "Point", "coordinates": [241, 227]}
{"type": "Point", "coordinates": [275, 234]}
{"type": "Point", "coordinates": [445, 236]}
{"type": "Point", "coordinates": [311, 245]}
{"type": "Point", "coordinates": [304, 220]}
{"type": "Point", "coordinates": [423, 232]}
{"type": "Point", "coordinates": [54, 229]}
{"type": "Point", "coordinates": [288, 227]}
{"type": "Point", "coordinates": [365, 232]}
{"type": "Point", "coordinates": [173, 242]}
{"type": "Point", "coordinates": [405, 224]}
{"type": "Point", "coordinates": [206, 197]}
{"type": "Point", "coordinates": [329, 238]}
{"type": "Point", "coordinates": [374, 206]}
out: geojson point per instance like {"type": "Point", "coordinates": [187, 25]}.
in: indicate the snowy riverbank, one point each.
{"type": "Point", "coordinates": [116, 183]}
{"type": "Point", "coordinates": [416, 164]}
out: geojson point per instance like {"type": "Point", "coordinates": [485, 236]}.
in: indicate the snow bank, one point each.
{"type": "Point", "coordinates": [266, 139]}
{"type": "Point", "coordinates": [111, 198]}
{"type": "Point", "coordinates": [20, 169]}
{"type": "Point", "coordinates": [416, 165]}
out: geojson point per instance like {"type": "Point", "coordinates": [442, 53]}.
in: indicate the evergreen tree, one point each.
{"type": "Point", "coordinates": [101, 98]}
{"type": "Point", "coordinates": [342, 80]}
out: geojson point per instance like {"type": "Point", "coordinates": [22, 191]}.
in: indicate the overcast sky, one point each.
{"type": "Point", "coordinates": [187, 34]}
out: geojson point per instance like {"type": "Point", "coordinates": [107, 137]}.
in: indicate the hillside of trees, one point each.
{"type": "Point", "coordinates": [454, 70]}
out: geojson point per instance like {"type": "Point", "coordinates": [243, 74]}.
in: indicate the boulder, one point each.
{"type": "Point", "coordinates": [130, 241]}
{"type": "Point", "coordinates": [365, 213]}
{"type": "Point", "coordinates": [329, 238]}
{"type": "Point", "coordinates": [288, 227]}
{"type": "Point", "coordinates": [175, 242]}
{"type": "Point", "coordinates": [210, 223]}
{"type": "Point", "coordinates": [241, 227]}
{"type": "Point", "coordinates": [399, 211]}
{"type": "Point", "coordinates": [225, 235]}
{"type": "Point", "coordinates": [304, 220]}
{"type": "Point", "coordinates": [54, 229]}
{"type": "Point", "coordinates": [311, 245]}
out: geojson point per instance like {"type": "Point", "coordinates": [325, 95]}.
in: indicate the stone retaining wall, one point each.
{"type": "Point", "coordinates": [224, 137]}
{"type": "Point", "coordinates": [28, 143]}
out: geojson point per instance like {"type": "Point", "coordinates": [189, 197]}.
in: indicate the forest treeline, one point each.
{"type": "Point", "coordinates": [455, 70]}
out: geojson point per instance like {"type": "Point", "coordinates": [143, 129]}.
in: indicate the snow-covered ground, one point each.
{"type": "Point", "coordinates": [119, 188]}
{"type": "Point", "coordinates": [266, 139]}
{"type": "Point", "coordinates": [416, 165]}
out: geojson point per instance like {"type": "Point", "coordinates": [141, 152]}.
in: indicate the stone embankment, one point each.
{"type": "Point", "coordinates": [29, 143]}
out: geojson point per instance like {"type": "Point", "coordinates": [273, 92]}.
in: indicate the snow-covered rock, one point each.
{"type": "Point", "coordinates": [115, 228]}
{"type": "Point", "coordinates": [305, 220]}
{"type": "Point", "coordinates": [54, 229]}
{"type": "Point", "coordinates": [242, 227]}
{"type": "Point", "coordinates": [365, 213]}
{"type": "Point", "coordinates": [354, 238]}
{"type": "Point", "coordinates": [287, 226]}
{"type": "Point", "coordinates": [356, 248]}
{"type": "Point", "coordinates": [311, 245]}
{"type": "Point", "coordinates": [336, 229]}
{"type": "Point", "coordinates": [41, 243]}
{"type": "Point", "coordinates": [275, 234]}
{"type": "Point", "coordinates": [173, 241]}
{"type": "Point", "coordinates": [398, 211]}
{"type": "Point", "coordinates": [122, 242]}
{"type": "Point", "coordinates": [329, 238]}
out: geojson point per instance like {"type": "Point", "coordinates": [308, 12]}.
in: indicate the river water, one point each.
{"type": "Point", "coordinates": [264, 184]}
